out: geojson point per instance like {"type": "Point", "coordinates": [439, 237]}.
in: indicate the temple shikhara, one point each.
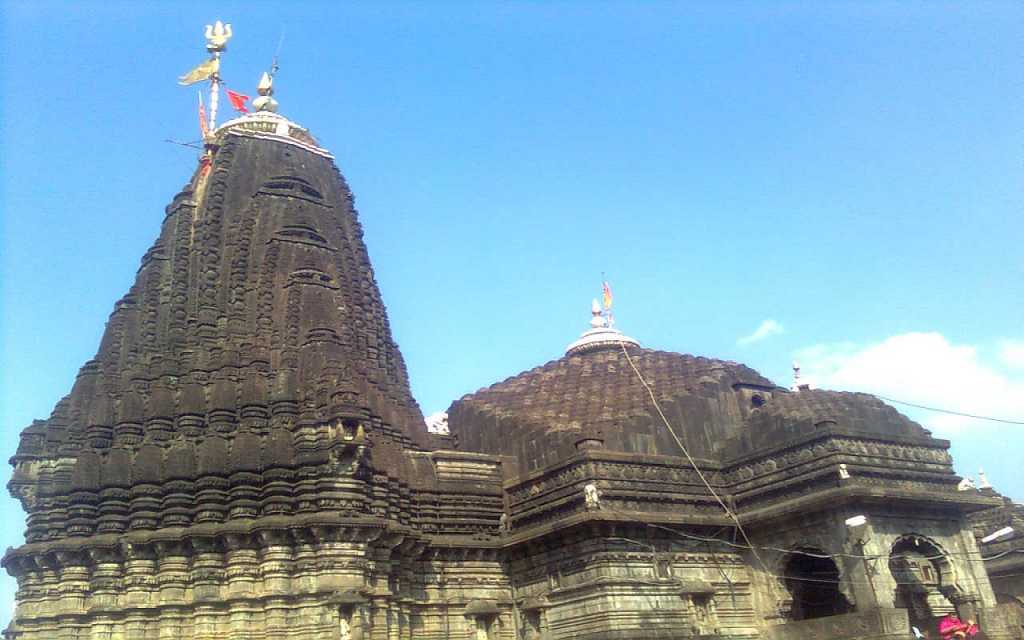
{"type": "Point", "coordinates": [243, 460]}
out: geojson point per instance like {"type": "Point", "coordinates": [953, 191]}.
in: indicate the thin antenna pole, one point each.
{"type": "Point", "coordinates": [604, 312]}
{"type": "Point", "coordinates": [277, 54]}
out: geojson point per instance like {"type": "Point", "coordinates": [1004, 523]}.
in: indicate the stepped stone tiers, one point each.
{"type": "Point", "coordinates": [243, 460]}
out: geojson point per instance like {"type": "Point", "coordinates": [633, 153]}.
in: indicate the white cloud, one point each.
{"type": "Point", "coordinates": [922, 368]}
{"type": "Point", "coordinates": [1011, 352]}
{"type": "Point", "coordinates": [765, 330]}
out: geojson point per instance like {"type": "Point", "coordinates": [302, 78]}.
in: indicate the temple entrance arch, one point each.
{"type": "Point", "coordinates": [925, 580]}
{"type": "Point", "coordinates": [812, 578]}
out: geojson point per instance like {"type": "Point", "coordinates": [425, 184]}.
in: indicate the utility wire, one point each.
{"type": "Point", "coordinates": [812, 554]}
{"type": "Point", "coordinates": [693, 462]}
{"type": "Point", "coordinates": [952, 413]}
{"type": "Point", "coordinates": [750, 545]}
{"type": "Point", "coordinates": [771, 574]}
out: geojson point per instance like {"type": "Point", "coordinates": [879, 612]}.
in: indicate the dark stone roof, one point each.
{"type": "Point", "coordinates": [789, 415]}
{"type": "Point", "coordinates": [255, 310]}
{"type": "Point", "coordinates": [721, 410]}
{"type": "Point", "coordinates": [540, 414]}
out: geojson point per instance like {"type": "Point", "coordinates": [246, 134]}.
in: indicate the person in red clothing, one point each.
{"type": "Point", "coordinates": [952, 628]}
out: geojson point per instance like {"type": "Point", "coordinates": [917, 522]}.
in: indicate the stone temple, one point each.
{"type": "Point", "coordinates": [243, 460]}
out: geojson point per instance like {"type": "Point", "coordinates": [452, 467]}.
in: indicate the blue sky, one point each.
{"type": "Point", "coordinates": [844, 176]}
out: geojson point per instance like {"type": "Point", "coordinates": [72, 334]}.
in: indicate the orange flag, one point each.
{"type": "Point", "coordinates": [607, 295]}
{"type": "Point", "coordinates": [202, 117]}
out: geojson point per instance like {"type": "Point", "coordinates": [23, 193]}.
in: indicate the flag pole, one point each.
{"type": "Point", "coordinates": [214, 96]}
{"type": "Point", "coordinates": [217, 36]}
{"type": "Point", "coordinates": [604, 310]}
{"type": "Point", "coordinates": [203, 130]}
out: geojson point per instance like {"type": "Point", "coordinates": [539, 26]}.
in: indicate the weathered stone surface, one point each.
{"type": "Point", "coordinates": [1005, 556]}
{"type": "Point", "coordinates": [243, 460]}
{"type": "Point", "coordinates": [539, 416]}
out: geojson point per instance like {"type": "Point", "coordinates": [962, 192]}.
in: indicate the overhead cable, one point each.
{"type": "Point", "coordinates": [952, 413]}
{"type": "Point", "coordinates": [693, 463]}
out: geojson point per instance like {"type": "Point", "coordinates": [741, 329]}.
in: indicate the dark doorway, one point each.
{"type": "Point", "coordinates": [813, 582]}
{"type": "Point", "coordinates": [921, 572]}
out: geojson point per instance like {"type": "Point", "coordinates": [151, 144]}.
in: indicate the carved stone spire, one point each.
{"type": "Point", "coordinates": [254, 314]}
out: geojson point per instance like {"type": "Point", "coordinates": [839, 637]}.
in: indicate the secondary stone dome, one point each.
{"type": "Point", "coordinates": [593, 396]}
{"type": "Point", "coordinates": [790, 415]}
{"type": "Point", "coordinates": [540, 415]}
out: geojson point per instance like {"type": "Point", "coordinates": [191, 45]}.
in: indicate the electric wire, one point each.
{"type": "Point", "coordinates": [771, 574]}
{"type": "Point", "coordinates": [693, 462]}
{"type": "Point", "coordinates": [952, 413]}
{"type": "Point", "coordinates": [828, 555]}
{"type": "Point", "coordinates": [750, 546]}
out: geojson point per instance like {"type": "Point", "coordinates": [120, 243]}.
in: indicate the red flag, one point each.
{"type": "Point", "coordinates": [237, 100]}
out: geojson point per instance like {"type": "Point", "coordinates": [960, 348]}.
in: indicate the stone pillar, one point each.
{"type": "Point", "coordinates": [140, 580]}
{"type": "Point", "coordinates": [361, 627]}
{"type": "Point", "coordinates": [178, 503]}
{"type": "Point", "coordinates": [242, 565]}
{"type": "Point", "coordinates": [304, 576]}
{"type": "Point", "coordinates": [332, 555]}
{"type": "Point", "coordinates": [74, 582]}
{"type": "Point", "coordinates": [145, 506]}
{"type": "Point", "coordinates": [275, 566]}
{"type": "Point", "coordinates": [49, 583]}
{"type": "Point", "coordinates": [276, 496]}
{"type": "Point", "coordinates": [244, 621]}
{"type": "Point", "coordinates": [138, 626]}
{"type": "Point", "coordinates": [172, 562]}
{"type": "Point", "coordinates": [866, 578]}
{"type": "Point", "coordinates": [378, 614]}
{"type": "Point", "coordinates": [105, 583]}
{"type": "Point", "coordinates": [173, 623]}
{"type": "Point", "coordinates": [82, 512]}
{"type": "Point", "coordinates": [211, 499]}
{"type": "Point", "coordinates": [207, 572]}
{"type": "Point", "coordinates": [31, 586]}
{"type": "Point", "coordinates": [275, 610]}
{"type": "Point", "coordinates": [207, 623]}
{"type": "Point", "coordinates": [101, 627]}
{"type": "Point", "coordinates": [113, 510]}
{"type": "Point", "coordinates": [244, 495]}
